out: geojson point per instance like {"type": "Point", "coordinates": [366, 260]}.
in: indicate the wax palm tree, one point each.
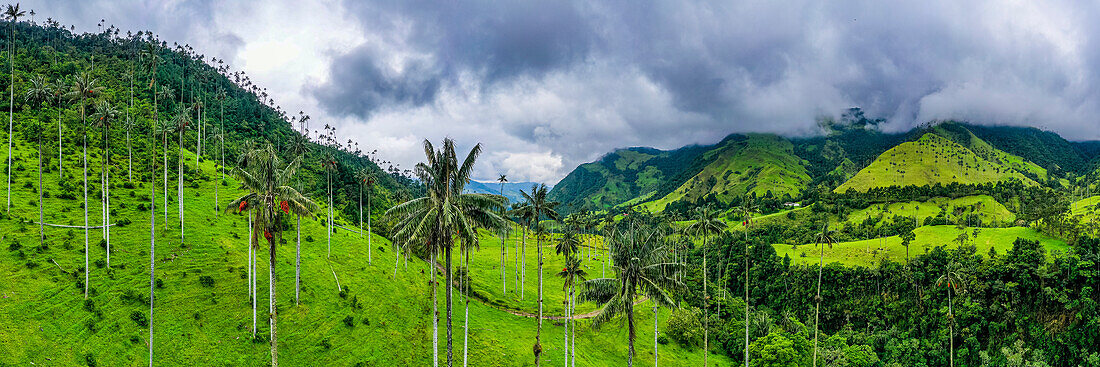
{"type": "Point", "coordinates": [299, 147]}
{"type": "Point", "coordinates": [444, 214]}
{"type": "Point", "coordinates": [953, 279]}
{"type": "Point", "coordinates": [39, 92]}
{"type": "Point", "coordinates": [641, 261]}
{"type": "Point", "coordinates": [366, 180]}
{"type": "Point", "coordinates": [271, 197]}
{"type": "Point", "coordinates": [129, 125]}
{"type": "Point", "coordinates": [12, 14]}
{"type": "Point", "coordinates": [572, 274]}
{"type": "Point", "coordinates": [707, 224]}
{"type": "Point", "coordinates": [503, 267]}
{"type": "Point", "coordinates": [153, 131]}
{"type": "Point", "coordinates": [823, 238]}
{"type": "Point", "coordinates": [85, 86]}
{"type": "Point", "coordinates": [536, 206]}
{"type": "Point", "coordinates": [104, 116]}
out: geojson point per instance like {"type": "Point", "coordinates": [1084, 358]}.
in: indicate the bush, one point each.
{"type": "Point", "coordinates": [684, 327]}
{"type": "Point", "coordinates": [139, 318]}
{"type": "Point", "coordinates": [326, 344]}
{"type": "Point", "coordinates": [349, 321]}
{"type": "Point", "coordinates": [89, 359]}
{"type": "Point", "coordinates": [662, 340]}
{"type": "Point", "coordinates": [89, 305]}
{"type": "Point", "coordinates": [160, 283]}
{"type": "Point", "coordinates": [206, 281]}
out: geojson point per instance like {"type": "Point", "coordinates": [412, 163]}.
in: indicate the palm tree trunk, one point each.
{"type": "Point", "coordinates": [631, 333]}
{"type": "Point", "coordinates": [328, 179]}
{"type": "Point", "coordinates": [435, 315]}
{"type": "Point", "coordinates": [538, 333]}
{"type": "Point", "coordinates": [273, 314]}
{"type": "Point", "coordinates": [746, 303]}
{"type": "Point", "coordinates": [567, 318]}
{"type": "Point", "coordinates": [86, 252]}
{"type": "Point", "coordinates": [450, 280]}
{"type": "Point", "coordinates": [179, 192]}
{"type": "Point", "coordinates": [654, 335]}
{"type": "Point", "coordinates": [164, 142]}
{"type": "Point", "coordinates": [951, 326]}
{"type": "Point", "coordinates": [523, 264]}
{"type": "Point", "coordinates": [572, 312]}
{"type": "Point", "coordinates": [706, 304]}
{"type": "Point", "coordinates": [817, 312]}
{"type": "Point", "coordinates": [368, 230]}
{"type": "Point", "coordinates": [41, 222]}
{"type": "Point", "coordinates": [252, 268]}
{"type": "Point", "coordinates": [11, 112]}
{"type": "Point", "coordinates": [466, 326]}
{"type": "Point", "coordinates": [297, 259]}
{"type": "Point", "coordinates": [106, 191]}
{"type": "Point", "coordinates": [60, 174]}
{"type": "Point", "coordinates": [152, 240]}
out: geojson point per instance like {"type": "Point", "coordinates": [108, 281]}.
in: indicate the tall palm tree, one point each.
{"type": "Point", "coordinates": [270, 196]}
{"type": "Point", "coordinates": [503, 264]}
{"type": "Point", "coordinates": [366, 180]}
{"type": "Point", "coordinates": [953, 278]}
{"type": "Point", "coordinates": [12, 14]}
{"type": "Point", "coordinates": [104, 116]}
{"type": "Point", "coordinates": [572, 274]}
{"type": "Point", "coordinates": [825, 237]}
{"type": "Point", "coordinates": [443, 215]}
{"type": "Point", "coordinates": [152, 199]}
{"type": "Point", "coordinates": [85, 86]}
{"type": "Point", "coordinates": [567, 247]}
{"type": "Point", "coordinates": [707, 224]}
{"type": "Point", "coordinates": [642, 263]}
{"type": "Point", "coordinates": [299, 147]}
{"type": "Point", "coordinates": [39, 91]}
{"type": "Point", "coordinates": [536, 206]}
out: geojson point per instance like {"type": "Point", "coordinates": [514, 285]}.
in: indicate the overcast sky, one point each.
{"type": "Point", "coordinates": [547, 85]}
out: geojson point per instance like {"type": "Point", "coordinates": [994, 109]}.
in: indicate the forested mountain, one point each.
{"type": "Point", "coordinates": [623, 175]}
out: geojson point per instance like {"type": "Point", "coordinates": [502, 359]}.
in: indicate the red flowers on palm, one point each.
{"type": "Point", "coordinates": [285, 207]}
{"type": "Point", "coordinates": [244, 205]}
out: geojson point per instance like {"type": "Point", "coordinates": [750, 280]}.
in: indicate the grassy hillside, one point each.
{"type": "Point", "coordinates": [764, 165]}
{"type": "Point", "coordinates": [962, 134]}
{"type": "Point", "coordinates": [869, 252]}
{"type": "Point", "coordinates": [621, 176]}
{"type": "Point", "coordinates": [989, 210]}
{"type": "Point", "coordinates": [926, 161]}
{"type": "Point", "coordinates": [207, 323]}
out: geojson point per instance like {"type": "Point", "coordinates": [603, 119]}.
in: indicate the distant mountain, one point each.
{"type": "Point", "coordinates": [622, 175]}
{"type": "Point", "coordinates": [511, 189]}
{"type": "Point", "coordinates": [762, 164]}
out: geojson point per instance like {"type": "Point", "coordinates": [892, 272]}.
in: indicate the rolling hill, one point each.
{"type": "Point", "coordinates": [763, 165]}
{"type": "Point", "coordinates": [511, 189]}
{"type": "Point", "coordinates": [621, 176]}
{"type": "Point", "coordinates": [929, 160]}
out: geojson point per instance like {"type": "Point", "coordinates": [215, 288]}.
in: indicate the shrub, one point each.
{"type": "Point", "coordinates": [139, 318]}
{"type": "Point", "coordinates": [349, 321]}
{"type": "Point", "coordinates": [684, 327]}
{"type": "Point", "coordinates": [206, 281]}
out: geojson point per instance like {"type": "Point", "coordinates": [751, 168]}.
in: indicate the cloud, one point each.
{"type": "Point", "coordinates": [571, 80]}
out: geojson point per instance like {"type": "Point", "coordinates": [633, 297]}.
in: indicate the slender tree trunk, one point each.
{"type": "Point", "coordinates": [86, 251]}
{"type": "Point", "coordinates": [273, 310]}
{"type": "Point", "coordinates": [435, 315]}
{"type": "Point", "coordinates": [538, 333]}
{"type": "Point", "coordinates": [567, 319]}
{"type": "Point", "coordinates": [297, 259]}
{"type": "Point", "coordinates": [252, 263]}
{"type": "Point", "coordinates": [41, 221]}
{"type": "Point", "coordinates": [164, 142]}
{"type": "Point", "coordinates": [152, 234]}
{"type": "Point", "coordinates": [11, 111]}
{"type": "Point", "coordinates": [572, 313]}
{"type": "Point", "coordinates": [817, 312]}
{"type": "Point", "coordinates": [328, 179]}
{"type": "Point", "coordinates": [466, 326]}
{"type": "Point", "coordinates": [60, 173]}
{"type": "Point", "coordinates": [450, 306]}
{"type": "Point", "coordinates": [106, 191]}
{"type": "Point", "coordinates": [951, 326]}
{"type": "Point", "coordinates": [746, 303]}
{"type": "Point", "coordinates": [179, 191]}
{"type": "Point", "coordinates": [523, 264]}
{"type": "Point", "coordinates": [706, 307]}
{"type": "Point", "coordinates": [630, 329]}
{"type": "Point", "coordinates": [654, 335]}
{"type": "Point", "coordinates": [369, 235]}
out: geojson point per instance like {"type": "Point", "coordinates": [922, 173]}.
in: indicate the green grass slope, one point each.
{"type": "Point", "coordinates": [988, 209]}
{"type": "Point", "coordinates": [620, 176]}
{"type": "Point", "coordinates": [760, 164]}
{"type": "Point", "coordinates": [44, 318]}
{"type": "Point", "coordinates": [868, 252]}
{"type": "Point", "coordinates": [929, 160]}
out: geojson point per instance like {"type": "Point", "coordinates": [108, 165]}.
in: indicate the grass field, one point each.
{"type": "Point", "coordinates": [868, 252]}
{"type": "Point", "coordinates": [44, 318]}
{"type": "Point", "coordinates": [989, 210]}
{"type": "Point", "coordinates": [929, 160]}
{"type": "Point", "coordinates": [759, 164]}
